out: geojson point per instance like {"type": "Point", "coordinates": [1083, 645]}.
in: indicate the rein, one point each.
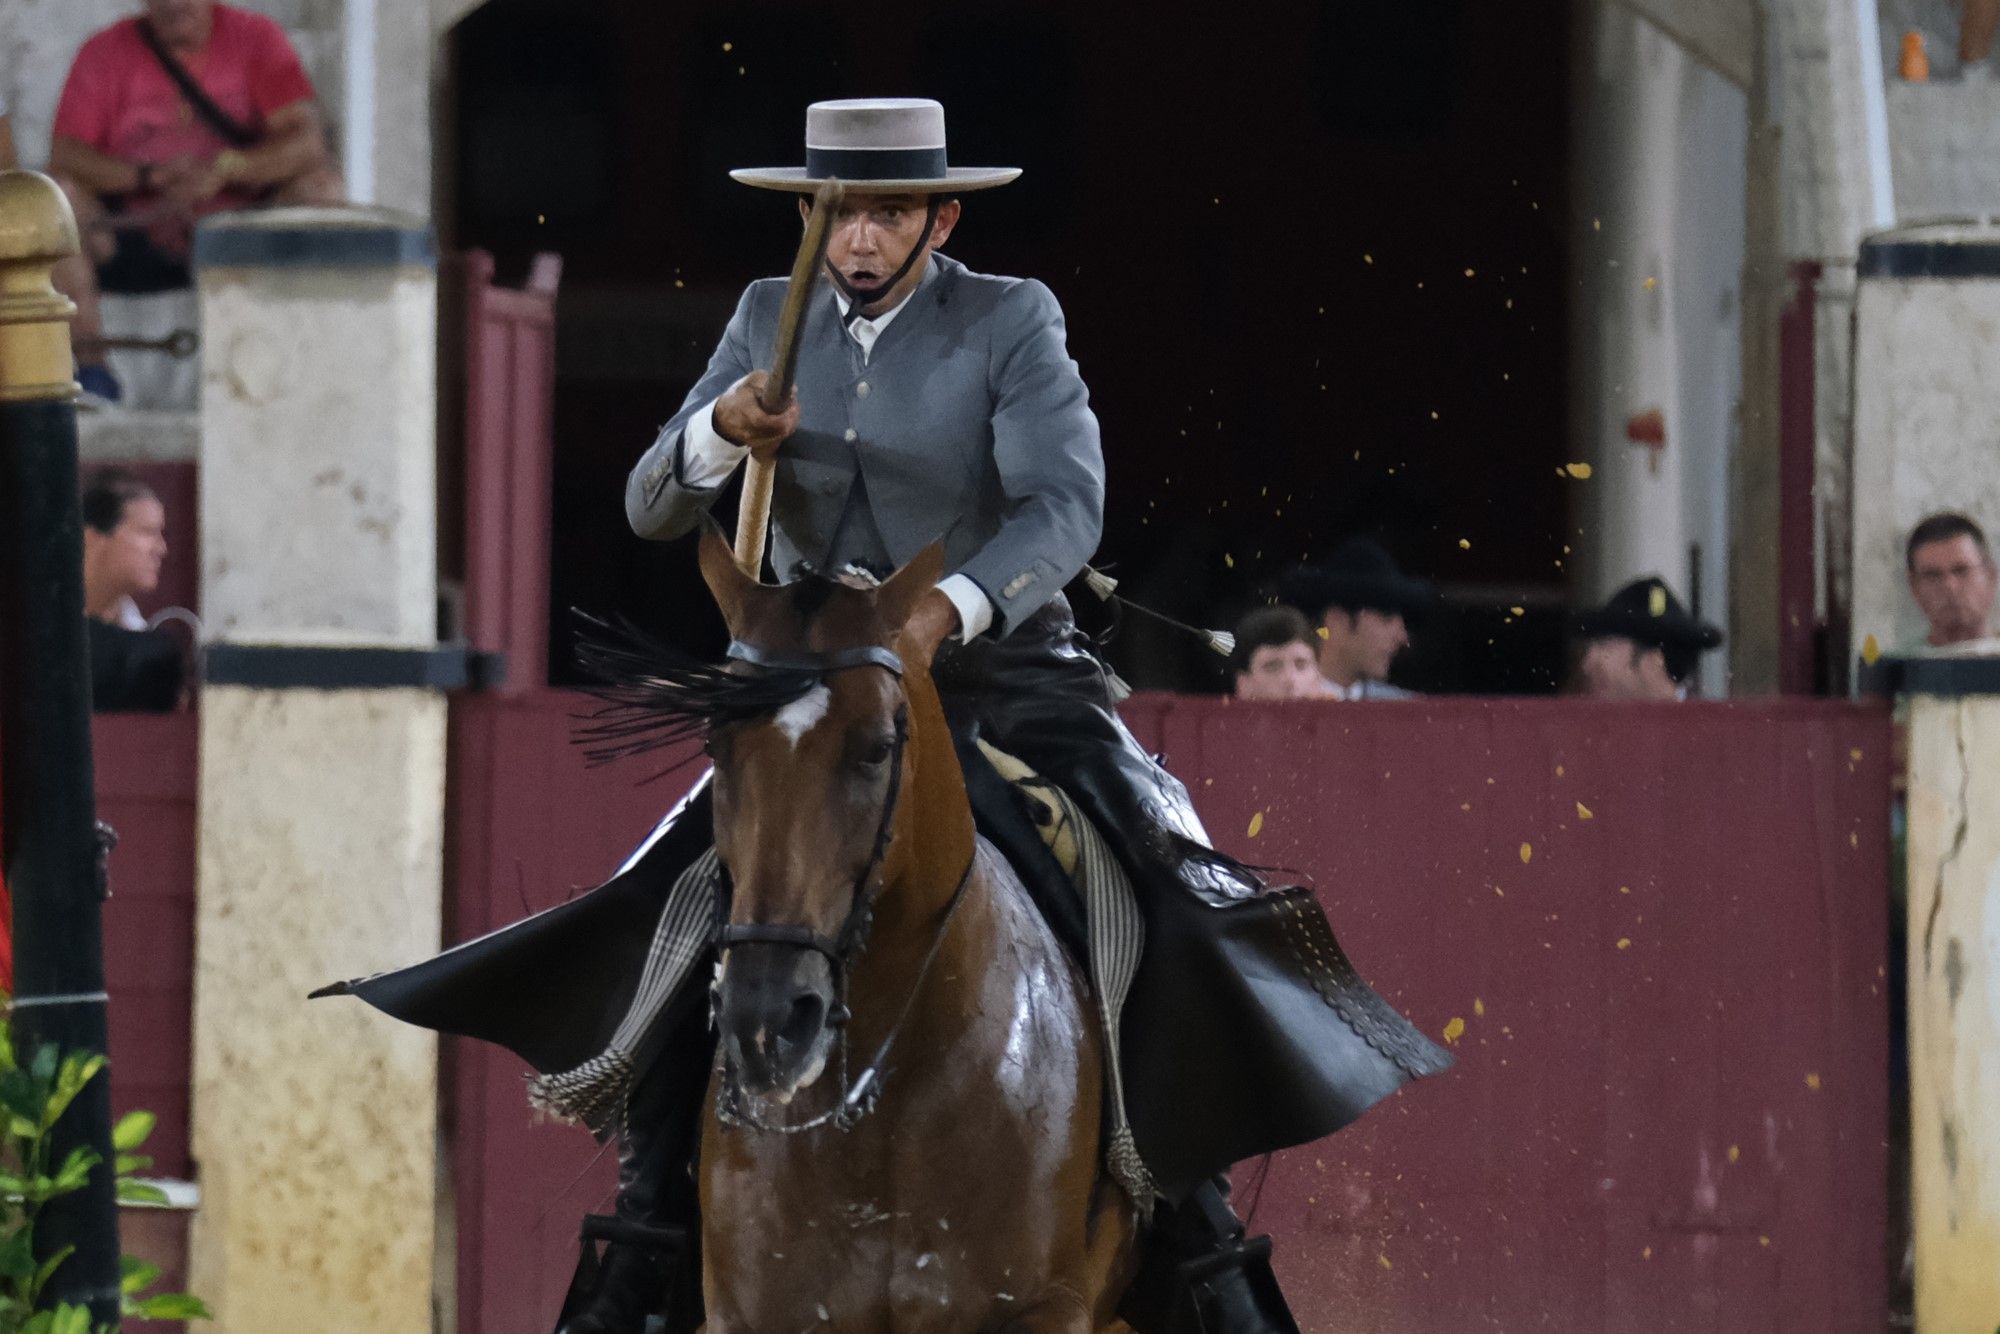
{"type": "Point", "coordinates": [843, 950]}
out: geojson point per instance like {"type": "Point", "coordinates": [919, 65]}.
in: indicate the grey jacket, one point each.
{"type": "Point", "coordinates": [969, 422]}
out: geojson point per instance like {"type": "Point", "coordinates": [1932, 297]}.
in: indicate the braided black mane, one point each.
{"type": "Point", "coordinates": [653, 695]}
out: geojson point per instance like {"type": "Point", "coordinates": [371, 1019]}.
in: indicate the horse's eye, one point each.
{"type": "Point", "coordinates": [878, 753]}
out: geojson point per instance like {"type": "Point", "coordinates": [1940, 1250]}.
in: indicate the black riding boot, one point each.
{"type": "Point", "coordinates": [1199, 1273]}
{"type": "Point", "coordinates": [651, 1264]}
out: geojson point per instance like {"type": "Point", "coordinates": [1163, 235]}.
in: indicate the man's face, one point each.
{"type": "Point", "coordinates": [1359, 646]}
{"type": "Point", "coordinates": [870, 237]}
{"type": "Point", "coordinates": [129, 556]}
{"type": "Point", "coordinates": [1953, 581]}
{"type": "Point", "coordinates": [181, 22]}
{"type": "Point", "coordinates": [1624, 669]}
{"type": "Point", "coordinates": [1280, 671]}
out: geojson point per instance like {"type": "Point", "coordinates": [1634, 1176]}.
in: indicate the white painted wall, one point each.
{"type": "Point", "coordinates": [1660, 249]}
{"type": "Point", "coordinates": [1926, 427]}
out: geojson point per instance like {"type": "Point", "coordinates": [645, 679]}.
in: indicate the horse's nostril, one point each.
{"type": "Point", "coordinates": [803, 1023]}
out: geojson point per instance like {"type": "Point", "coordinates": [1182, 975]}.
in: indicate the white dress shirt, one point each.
{"type": "Point", "coordinates": [708, 459]}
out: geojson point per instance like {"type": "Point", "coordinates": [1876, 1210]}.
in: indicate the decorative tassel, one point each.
{"type": "Point", "coordinates": [1221, 641]}
{"type": "Point", "coordinates": [1099, 583]}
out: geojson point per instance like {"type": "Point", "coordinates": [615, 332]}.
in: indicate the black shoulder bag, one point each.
{"type": "Point", "coordinates": [236, 134]}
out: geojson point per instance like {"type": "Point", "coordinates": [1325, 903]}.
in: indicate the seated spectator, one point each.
{"type": "Point", "coordinates": [190, 109]}
{"type": "Point", "coordinates": [1360, 606]}
{"type": "Point", "coordinates": [124, 542]}
{"type": "Point", "coordinates": [1952, 577]}
{"type": "Point", "coordinates": [1643, 645]}
{"type": "Point", "coordinates": [1274, 656]}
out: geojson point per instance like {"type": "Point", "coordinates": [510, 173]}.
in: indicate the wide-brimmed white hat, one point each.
{"type": "Point", "coordinates": [894, 145]}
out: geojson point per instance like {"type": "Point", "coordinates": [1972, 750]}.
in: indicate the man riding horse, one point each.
{"type": "Point", "coordinates": [936, 403]}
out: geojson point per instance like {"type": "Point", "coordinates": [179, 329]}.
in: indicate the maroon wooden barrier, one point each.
{"type": "Point", "coordinates": [509, 367]}
{"type": "Point", "coordinates": [145, 765]}
{"type": "Point", "coordinates": [145, 769]}
{"type": "Point", "coordinates": [1654, 936]}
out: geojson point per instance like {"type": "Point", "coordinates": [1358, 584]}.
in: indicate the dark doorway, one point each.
{"type": "Point", "coordinates": [1312, 257]}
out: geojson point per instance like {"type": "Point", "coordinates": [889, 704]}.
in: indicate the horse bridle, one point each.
{"type": "Point", "coordinates": [843, 949]}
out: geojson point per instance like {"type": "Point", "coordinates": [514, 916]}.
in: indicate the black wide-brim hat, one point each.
{"type": "Point", "coordinates": [885, 145]}
{"type": "Point", "coordinates": [1359, 573]}
{"type": "Point", "coordinates": [1646, 611]}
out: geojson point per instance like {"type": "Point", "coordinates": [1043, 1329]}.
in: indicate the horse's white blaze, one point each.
{"type": "Point", "coordinates": [803, 714]}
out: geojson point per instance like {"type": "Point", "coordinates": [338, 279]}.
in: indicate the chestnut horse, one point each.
{"type": "Point", "coordinates": [902, 1129]}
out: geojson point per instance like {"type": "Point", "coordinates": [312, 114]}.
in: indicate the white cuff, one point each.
{"type": "Point", "coordinates": [975, 612]}
{"type": "Point", "coordinates": [706, 458]}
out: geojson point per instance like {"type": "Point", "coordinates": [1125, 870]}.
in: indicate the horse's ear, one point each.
{"type": "Point", "coordinates": [731, 588]}
{"type": "Point", "coordinates": [902, 591]}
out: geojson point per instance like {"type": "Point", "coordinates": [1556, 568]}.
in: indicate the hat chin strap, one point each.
{"type": "Point", "coordinates": [854, 297]}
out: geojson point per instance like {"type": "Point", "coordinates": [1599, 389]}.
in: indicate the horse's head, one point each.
{"type": "Point", "coordinates": [805, 802]}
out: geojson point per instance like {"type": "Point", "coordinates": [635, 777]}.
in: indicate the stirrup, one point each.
{"type": "Point", "coordinates": [666, 1244]}
{"type": "Point", "coordinates": [1232, 1290]}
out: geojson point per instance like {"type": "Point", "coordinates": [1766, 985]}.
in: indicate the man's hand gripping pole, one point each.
{"type": "Point", "coordinates": [753, 515]}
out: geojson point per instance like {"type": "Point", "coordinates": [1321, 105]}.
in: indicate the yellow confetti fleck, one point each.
{"type": "Point", "coordinates": [1855, 754]}
{"type": "Point", "coordinates": [1763, 1241]}
{"type": "Point", "coordinates": [1383, 1260]}
{"type": "Point", "coordinates": [1322, 632]}
{"type": "Point", "coordinates": [1256, 824]}
{"type": "Point", "coordinates": [1518, 611]}
{"type": "Point", "coordinates": [1464, 545]}
{"type": "Point", "coordinates": [1228, 560]}
{"type": "Point", "coordinates": [1646, 1254]}
{"type": "Point", "coordinates": [1367, 259]}
{"type": "Point", "coordinates": [1624, 889]}
{"type": "Point", "coordinates": [1656, 601]}
{"type": "Point", "coordinates": [1501, 892]}
{"type": "Point", "coordinates": [1468, 273]}
{"type": "Point", "coordinates": [729, 46]}
{"type": "Point", "coordinates": [1624, 942]}
{"type": "Point", "coordinates": [1597, 224]}
{"type": "Point", "coordinates": [1735, 1152]}
{"type": "Point", "coordinates": [1559, 771]}
{"type": "Point", "coordinates": [1527, 853]}
{"type": "Point", "coordinates": [1870, 650]}
{"type": "Point", "coordinates": [1580, 471]}
{"type": "Point", "coordinates": [1812, 1079]}
{"type": "Point", "coordinates": [1454, 1029]}
{"type": "Point", "coordinates": [1465, 805]}
{"type": "Point", "coordinates": [1853, 839]}
{"type": "Point", "coordinates": [1584, 812]}
{"type": "Point", "coordinates": [1478, 1006]}
{"type": "Point", "coordinates": [1650, 284]}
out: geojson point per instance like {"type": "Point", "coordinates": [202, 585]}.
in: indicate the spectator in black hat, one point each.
{"type": "Point", "coordinates": [1360, 605]}
{"type": "Point", "coordinates": [1275, 656]}
{"type": "Point", "coordinates": [1643, 645]}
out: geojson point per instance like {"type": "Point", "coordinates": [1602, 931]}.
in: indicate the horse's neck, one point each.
{"type": "Point", "coordinates": [933, 832]}
{"type": "Point", "coordinates": [930, 854]}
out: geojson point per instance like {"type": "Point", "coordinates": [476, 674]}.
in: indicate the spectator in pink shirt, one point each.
{"type": "Point", "coordinates": [190, 109]}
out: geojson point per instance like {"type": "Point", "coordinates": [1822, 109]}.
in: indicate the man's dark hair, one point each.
{"type": "Point", "coordinates": [106, 495]}
{"type": "Point", "coordinates": [1268, 627]}
{"type": "Point", "coordinates": [1942, 527]}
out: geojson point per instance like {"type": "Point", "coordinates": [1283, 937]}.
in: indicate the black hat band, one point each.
{"type": "Point", "coordinates": [877, 164]}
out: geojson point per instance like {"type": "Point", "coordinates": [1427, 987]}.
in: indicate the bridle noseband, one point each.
{"type": "Point", "coordinates": [843, 950]}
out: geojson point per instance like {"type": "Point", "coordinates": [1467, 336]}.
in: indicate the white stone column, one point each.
{"type": "Point", "coordinates": [322, 772]}
{"type": "Point", "coordinates": [1926, 404]}
{"type": "Point", "coordinates": [1954, 961]}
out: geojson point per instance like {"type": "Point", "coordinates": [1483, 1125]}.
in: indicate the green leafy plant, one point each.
{"type": "Point", "coordinates": [34, 1094]}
